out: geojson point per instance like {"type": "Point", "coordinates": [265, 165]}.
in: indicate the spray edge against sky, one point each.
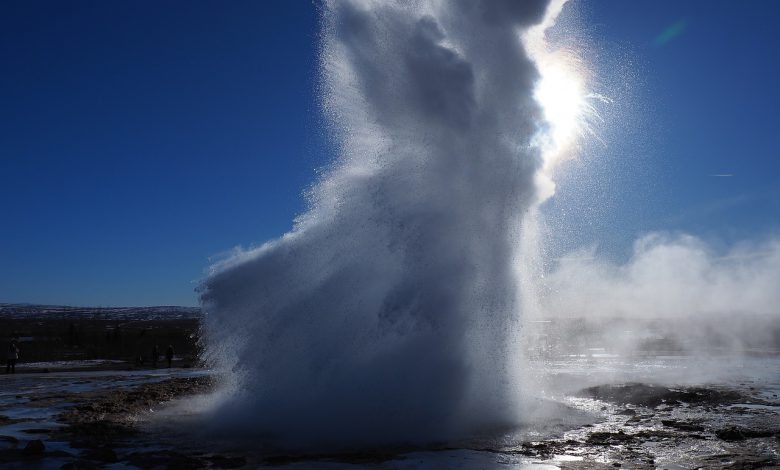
{"type": "Point", "coordinates": [391, 311]}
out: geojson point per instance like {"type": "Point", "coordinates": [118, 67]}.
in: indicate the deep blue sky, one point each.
{"type": "Point", "coordinates": [703, 102]}
{"type": "Point", "coordinates": [140, 138]}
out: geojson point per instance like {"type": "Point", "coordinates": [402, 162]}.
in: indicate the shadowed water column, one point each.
{"type": "Point", "coordinates": [387, 315]}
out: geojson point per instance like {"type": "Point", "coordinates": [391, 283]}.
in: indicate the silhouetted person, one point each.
{"type": "Point", "coordinates": [155, 355]}
{"type": "Point", "coordinates": [13, 356]}
{"type": "Point", "coordinates": [169, 355]}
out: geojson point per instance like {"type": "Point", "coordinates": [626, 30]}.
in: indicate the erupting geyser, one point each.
{"type": "Point", "coordinates": [390, 313]}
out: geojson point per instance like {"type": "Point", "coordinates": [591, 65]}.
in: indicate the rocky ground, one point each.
{"type": "Point", "coordinates": [649, 426]}
{"type": "Point", "coordinates": [640, 426]}
{"type": "Point", "coordinates": [102, 427]}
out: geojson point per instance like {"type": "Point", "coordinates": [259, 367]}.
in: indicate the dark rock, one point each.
{"type": "Point", "coordinates": [682, 426]}
{"type": "Point", "coordinates": [654, 435]}
{"type": "Point", "coordinates": [735, 433]}
{"type": "Point", "coordinates": [102, 430]}
{"type": "Point", "coordinates": [627, 412]}
{"type": "Point", "coordinates": [167, 459]}
{"type": "Point", "coordinates": [221, 461]}
{"type": "Point", "coordinates": [58, 453]}
{"type": "Point", "coordinates": [9, 439]}
{"type": "Point", "coordinates": [605, 438]}
{"type": "Point", "coordinates": [12, 455]}
{"type": "Point", "coordinates": [35, 447]}
{"type": "Point", "coordinates": [544, 449]}
{"type": "Point", "coordinates": [36, 431]}
{"type": "Point", "coordinates": [79, 465]}
{"type": "Point", "coordinates": [102, 454]}
{"type": "Point", "coordinates": [730, 434]}
{"type": "Point", "coordinates": [352, 458]}
{"type": "Point", "coordinates": [651, 396]}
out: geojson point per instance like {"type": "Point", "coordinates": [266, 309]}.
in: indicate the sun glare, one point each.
{"type": "Point", "coordinates": [561, 92]}
{"type": "Point", "coordinates": [564, 101]}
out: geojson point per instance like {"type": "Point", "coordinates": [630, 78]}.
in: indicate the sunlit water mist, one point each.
{"type": "Point", "coordinates": [391, 313]}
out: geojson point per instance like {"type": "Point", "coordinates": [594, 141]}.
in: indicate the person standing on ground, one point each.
{"type": "Point", "coordinates": [13, 356]}
{"type": "Point", "coordinates": [155, 355]}
{"type": "Point", "coordinates": [169, 355]}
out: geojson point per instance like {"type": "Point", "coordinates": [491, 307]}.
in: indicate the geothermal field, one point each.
{"type": "Point", "coordinates": [594, 405]}
{"type": "Point", "coordinates": [433, 305]}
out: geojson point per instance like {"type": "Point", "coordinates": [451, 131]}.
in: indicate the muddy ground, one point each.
{"type": "Point", "coordinates": [637, 425]}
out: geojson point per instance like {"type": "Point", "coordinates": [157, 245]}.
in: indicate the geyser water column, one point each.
{"type": "Point", "coordinates": [390, 313]}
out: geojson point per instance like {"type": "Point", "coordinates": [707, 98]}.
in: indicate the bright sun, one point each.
{"type": "Point", "coordinates": [564, 101]}
{"type": "Point", "coordinates": [567, 105]}
{"type": "Point", "coordinates": [562, 92]}
{"type": "Point", "coordinates": [563, 95]}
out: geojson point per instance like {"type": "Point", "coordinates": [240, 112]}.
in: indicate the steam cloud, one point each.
{"type": "Point", "coordinates": [389, 313]}
{"type": "Point", "coordinates": [676, 288]}
{"type": "Point", "coordinates": [670, 276]}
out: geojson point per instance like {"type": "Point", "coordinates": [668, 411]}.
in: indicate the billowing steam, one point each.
{"type": "Point", "coordinates": [669, 276]}
{"type": "Point", "coordinates": [390, 312]}
{"type": "Point", "coordinates": [675, 294]}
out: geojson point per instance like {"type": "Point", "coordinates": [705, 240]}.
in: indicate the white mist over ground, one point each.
{"type": "Point", "coordinates": [390, 313]}
{"type": "Point", "coordinates": [669, 276]}
{"type": "Point", "coordinates": [675, 290]}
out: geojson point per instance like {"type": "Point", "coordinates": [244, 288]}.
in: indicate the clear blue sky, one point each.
{"type": "Point", "coordinates": [140, 138]}
{"type": "Point", "coordinates": [695, 89]}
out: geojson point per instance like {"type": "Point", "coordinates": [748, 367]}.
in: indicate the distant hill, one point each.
{"type": "Point", "coordinates": [50, 312]}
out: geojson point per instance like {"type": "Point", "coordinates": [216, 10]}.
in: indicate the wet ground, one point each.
{"type": "Point", "coordinates": [597, 411]}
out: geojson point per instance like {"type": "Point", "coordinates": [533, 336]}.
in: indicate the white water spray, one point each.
{"type": "Point", "coordinates": [391, 312]}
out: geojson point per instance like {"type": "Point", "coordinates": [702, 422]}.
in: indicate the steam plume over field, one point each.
{"type": "Point", "coordinates": [674, 288]}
